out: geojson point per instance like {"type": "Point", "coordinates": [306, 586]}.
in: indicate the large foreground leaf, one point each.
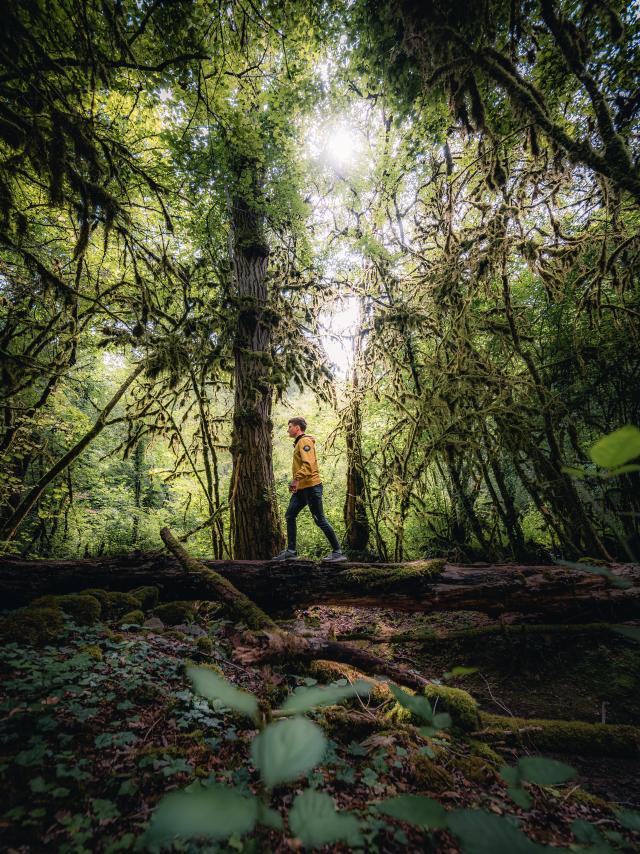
{"type": "Point", "coordinates": [305, 699]}
{"type": "Point", "coordinates": [287, 749]}
{"type": "Point", "coordinates": [214, 687]}
{"type": "Point", "coordinates": [215, 813]}
{"type": "Point", "coordinates": [617, 448]}
{"type": "Point", "coordinates": [417, 809]}
{"type": "Point", "coordinates": [315, 820]}
{"type": "Point", "coordinates": [485, 833]}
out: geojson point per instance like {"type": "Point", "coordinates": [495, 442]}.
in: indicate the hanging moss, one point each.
{"type": "Point", "coordinates": [174, 613]}
{"type": "Point", "coordinates": [564, 736]}
{"type": "Point", "coordinates": [380, 577]}
{"type": "Point", "coordinates": [146, 596]}
{"type": "Point", "coordinates": [460, 705]}
{"type": "Point", "coordinates": [36, 626]}
{"type": "Point", "coordinates": [83, 608]}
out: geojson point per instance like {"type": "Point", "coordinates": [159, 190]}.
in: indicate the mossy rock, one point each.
{"type": "Point", "coordinates": [331, 671]}
{"type": "Point", "coordinates": [348, 725]}
{"type": "Point", "coordinates": [460, 705]}
{"type": "Point", "coordinates": [135, 618]}
{"type": "Point", "coordinates": [205, 645]}
{"type": "Point", "coordinates": [84, 608]}
{"type": "Point", "coordinates": [35, 626]}
{"type": "Point", "coordinates": [475, 769]}
{"type": "Point", "coordinates": [479, 748]}
{"type": "Point", "coordinates": [146, 596]}
{"type": "Point", "coordinates": [429, 776]}
{"type": "Point", "coordinates": [114, 603]}
{"type": "Point", "coordinates": [174, 613]}
{"type": "Point", "coordinates": [380, 577]}
{"type": "Point", "coordinates": [564, 736]}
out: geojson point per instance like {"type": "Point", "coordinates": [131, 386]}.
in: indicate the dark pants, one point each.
{"type": "Point", "coordinates": [311, 496]}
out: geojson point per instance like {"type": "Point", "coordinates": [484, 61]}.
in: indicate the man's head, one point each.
{"type": "Point", "coordinates": [296, 427]}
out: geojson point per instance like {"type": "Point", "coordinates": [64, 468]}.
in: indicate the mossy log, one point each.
{"type": "Point", "coordinates": [552, 592]}
{"type": "Point", "coordinates": [577, 737]}
{"type": "Point", "coordinates": [275, 643]}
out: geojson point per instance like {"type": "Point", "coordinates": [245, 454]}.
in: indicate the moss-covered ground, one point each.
{"type": "Point", "coordinates": [98, 724]}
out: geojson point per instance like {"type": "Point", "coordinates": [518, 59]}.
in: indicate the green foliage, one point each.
{"type": "Point", "coordinates": [287, 749]}
{"type": "Point", "coordinates": [419, 810]}
{"type": "Point", "coordinates": [534, 769]}
{"type": "Point", "coordinates": [314, 820]}
{"type": "Point", "coordinates": [213, 687]}
{"type": "Point", "coordinates": [212, 813]}
{"type": "Point", "coordinates": [306, 699]}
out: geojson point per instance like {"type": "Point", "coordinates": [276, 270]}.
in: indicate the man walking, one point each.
{"type": "Point", "coordinates": [306, 489]}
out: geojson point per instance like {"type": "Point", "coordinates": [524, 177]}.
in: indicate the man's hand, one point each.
{"type": "Point", "coordinates": [293, 486]}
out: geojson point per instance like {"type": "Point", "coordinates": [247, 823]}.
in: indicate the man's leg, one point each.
{"type": "Point", "coordinates": [317, 511]}
{"type": "Point", "coordinates": [297, 501]}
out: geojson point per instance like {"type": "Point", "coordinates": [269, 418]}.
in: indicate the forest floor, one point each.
{"type": "Point", "coordinates": [97, 728]}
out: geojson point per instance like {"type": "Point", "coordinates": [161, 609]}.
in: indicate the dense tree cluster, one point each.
{"type": "Point", "coordinates": [168, 246]}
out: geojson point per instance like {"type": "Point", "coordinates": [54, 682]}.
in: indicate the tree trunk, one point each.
{"type": "Point", "coordinates": [254, 517]}
{"type": "Point", "coordinates": [355, 514]}
{"type": "Point", "coordinates": [553, 592]}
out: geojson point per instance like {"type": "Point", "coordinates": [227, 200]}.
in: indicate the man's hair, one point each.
{"type": "Point", "coordinates": [301, 423]}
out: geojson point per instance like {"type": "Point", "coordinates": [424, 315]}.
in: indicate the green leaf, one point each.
{"type": "Point", "coordinates": [628, 632]}
{"type": "Point", "coordinates": [617, 448]}
{"type": "Point", "coordinates": [418, 706]}
{"type": "Point", "coordinates": [213, 687]}
{"type": "Point", "coordinates": [629, 819]}
{"type": "Point", "coordinates": [305, 699]}
{"type": "Point", "coordinates": [459, 672]}
{"type": "Point", "coordinates": [624, 470]}
{"type": "Point", "coordinates": [269, 818]}
{"type": "Point", "coordinates": [315, 820]}
{"type": "Point", "coordinates": [416, 809]}
{"type": "Point", "coordinates": [287, 749]}
{"type": "Point", "coordinates": [520, 796]}
{"type": "Point", "coordinates": [442, 720]}
{"type": "Point", "coordinates": [544, 772]}
{"type": "Point", "coordinates": [103, 809]}
{"type": "Point", "coordinates": [215, 812]}
{"type": "Point", "coordinates": [585, 832]}
{"type": "Point", "coordinates": [603, 571]}
{"type": "Point", "coordinates": [38, 785]}
{"type": "Point", "coordinates": [510, 775]}
{"type": "Point", "coordinates": [485, 833]}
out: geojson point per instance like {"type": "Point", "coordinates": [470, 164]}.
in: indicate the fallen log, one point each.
{"type": "Point", "coordinates": [276, 643]}
{"type": "Point", "coordinates": [552, 592]}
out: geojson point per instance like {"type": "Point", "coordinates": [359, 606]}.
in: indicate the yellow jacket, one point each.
{"type": "Point", "coordinates": [305, 462]}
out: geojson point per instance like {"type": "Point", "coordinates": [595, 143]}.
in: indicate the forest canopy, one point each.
{"type": "Point", "coordinates": [192, 194]}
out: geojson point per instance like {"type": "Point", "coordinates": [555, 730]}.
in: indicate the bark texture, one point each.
{"type": "Point", "coordinates": [557, 593]}
{"type": "Point", "coordinates": [254, 516]}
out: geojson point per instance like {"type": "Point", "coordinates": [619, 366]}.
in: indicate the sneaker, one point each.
{"type": "Point", "coordinates": [335, 557]}
{"type": "Point", "coordinates": [287, 554]}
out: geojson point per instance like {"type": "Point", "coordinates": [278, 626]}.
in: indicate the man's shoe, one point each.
{"type": "Point", "coordinates": [335, 557]}
{"type": "Point", "coordinates": [287, 554]}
